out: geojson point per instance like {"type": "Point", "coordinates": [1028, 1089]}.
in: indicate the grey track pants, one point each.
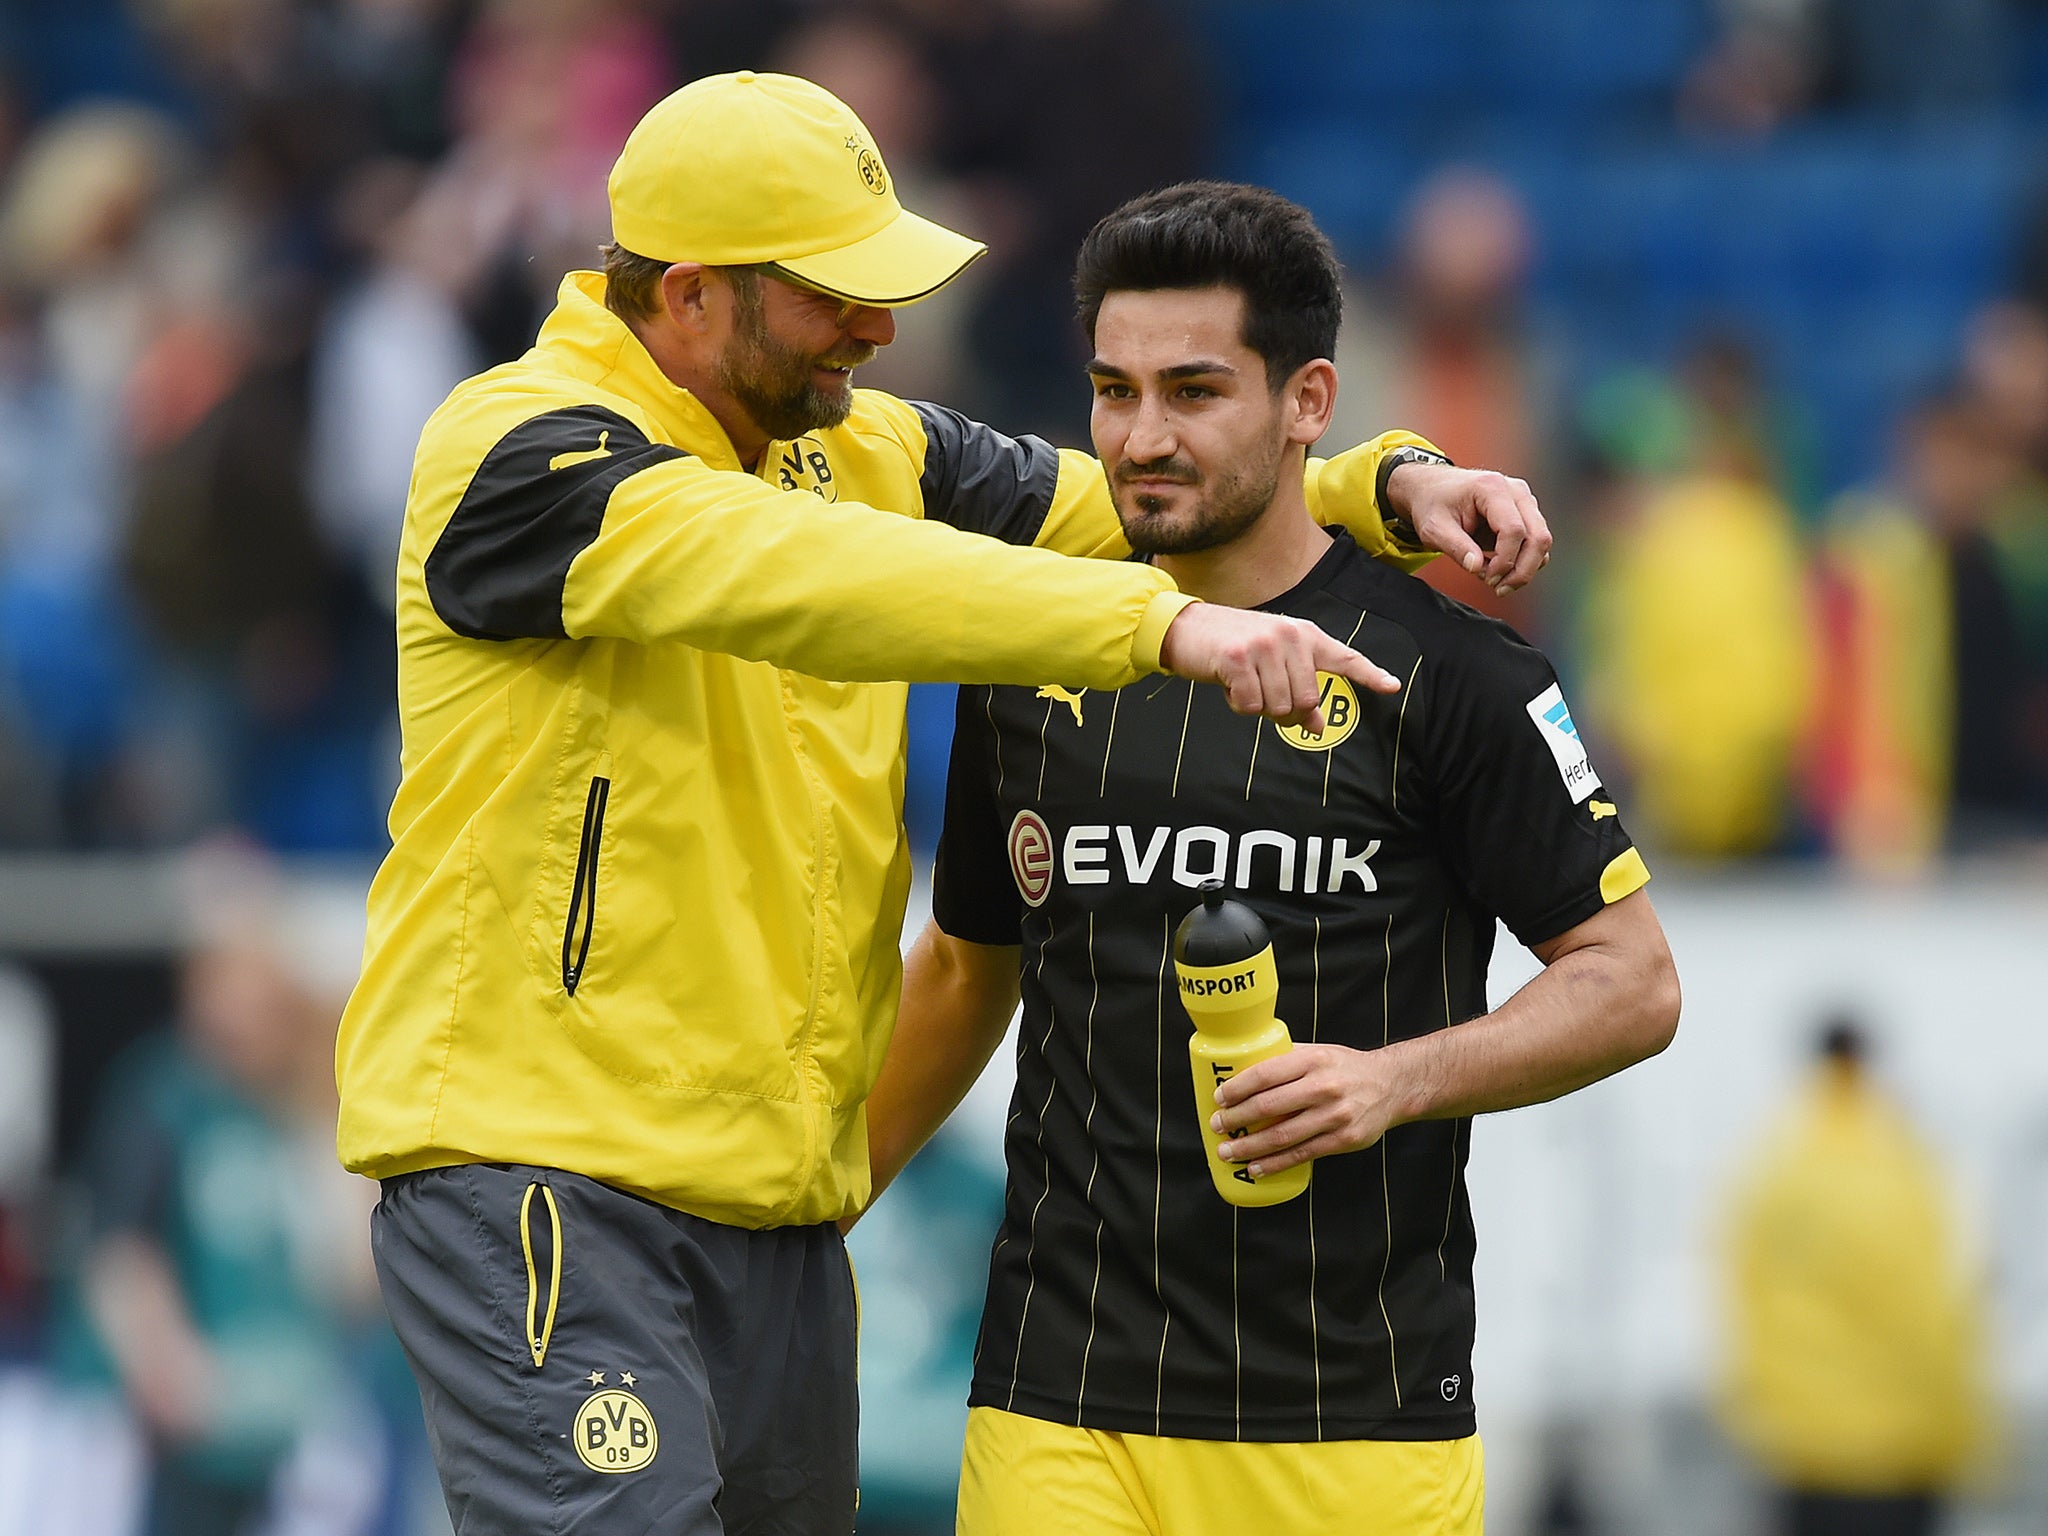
{"type": "Point", "coordinates": [592, 1362]}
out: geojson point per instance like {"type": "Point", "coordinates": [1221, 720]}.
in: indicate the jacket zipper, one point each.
{"type": "Point", "coordinates": [583, 893]}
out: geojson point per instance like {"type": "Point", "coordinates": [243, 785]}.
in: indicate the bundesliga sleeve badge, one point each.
{"type": "Point", "coordinates": [1553, 719]}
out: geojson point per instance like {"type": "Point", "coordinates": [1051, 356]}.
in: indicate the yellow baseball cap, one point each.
{"type": "Point", "coordinates": [743, 169]}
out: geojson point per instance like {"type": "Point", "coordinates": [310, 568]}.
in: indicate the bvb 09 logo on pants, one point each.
{"type": "Point", "coordinates": [615, 1432]}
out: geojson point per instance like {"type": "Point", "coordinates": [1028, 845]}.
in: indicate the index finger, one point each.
{"type": "Point", "coordinates": [1335, 656]}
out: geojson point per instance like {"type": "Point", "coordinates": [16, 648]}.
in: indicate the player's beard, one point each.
{"type": "Point", "coordinates": [772, 381]}
{"type": "Point", "coordinates": [1221, 513]}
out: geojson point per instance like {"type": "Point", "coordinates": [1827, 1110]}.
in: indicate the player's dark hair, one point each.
{"type": "Point", "coordinates": [1223, 234]}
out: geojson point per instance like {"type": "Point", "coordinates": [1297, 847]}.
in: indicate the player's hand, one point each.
{"type": "Point", "coordinates": [1320, 1099]}
{"type": "Point", "coordinates": [1489, 523]}
{"type": "Point", "coordinates": [1266, 663]}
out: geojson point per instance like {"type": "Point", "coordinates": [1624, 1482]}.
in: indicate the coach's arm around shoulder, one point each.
{"type": "Point", "coordinates": [1607, 998]}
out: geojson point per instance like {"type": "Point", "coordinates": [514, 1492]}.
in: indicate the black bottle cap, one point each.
{"type": "Point", "coordinates": [1219, 931]}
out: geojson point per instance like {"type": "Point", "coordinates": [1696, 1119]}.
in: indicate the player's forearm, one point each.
{"type": "Point", "coordinates": [957, 1003]}
{"type": "Point", "coordinates": [1586, 1016]}
{"type": "Point", "coordinates": [1607, 998]}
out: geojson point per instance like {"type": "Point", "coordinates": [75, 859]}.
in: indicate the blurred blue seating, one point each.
{"type": "Point", "coordinates": [1406, 62]}
{"type": "Point", "coordinates": [1851, 251]}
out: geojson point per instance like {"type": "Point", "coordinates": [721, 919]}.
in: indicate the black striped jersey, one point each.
{"type": "Point", "coordinates": [1124, 1294]}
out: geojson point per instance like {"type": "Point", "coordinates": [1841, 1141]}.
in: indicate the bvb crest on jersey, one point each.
{"type": "Point", "coordinates": [803, 466]}
{"type": "Point", "coordinates": [1340, 716]}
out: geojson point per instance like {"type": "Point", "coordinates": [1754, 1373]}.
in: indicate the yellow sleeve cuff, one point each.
{"type": "Point", "coordinates": [1164, 608]}
{"type": "Point", "coordinates": [1625, 874]}
{"type": "Point", "coordinates": [1343, 491]}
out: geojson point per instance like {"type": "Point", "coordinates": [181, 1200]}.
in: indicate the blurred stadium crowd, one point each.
{"type": "Point", "coordinates": [1755, 292]}
{"type": "Point", "coordinates": [1751, 291]}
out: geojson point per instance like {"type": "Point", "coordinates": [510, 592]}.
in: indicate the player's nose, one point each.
{"type": "Point", "coordinates": [1151, 436]}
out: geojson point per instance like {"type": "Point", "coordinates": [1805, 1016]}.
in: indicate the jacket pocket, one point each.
{"type": "Point", "coordinates": [582, 921]}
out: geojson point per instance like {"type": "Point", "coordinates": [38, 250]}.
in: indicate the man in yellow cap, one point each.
{"type": "Point", "coordinates": [633, 958]}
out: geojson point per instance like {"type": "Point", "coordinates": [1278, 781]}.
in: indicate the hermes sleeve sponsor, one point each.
{"type": "Point", "coordinates": [1553, 719]}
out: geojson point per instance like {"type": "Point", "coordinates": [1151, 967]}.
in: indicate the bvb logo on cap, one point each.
{"type": "Point", "coordinates": [869, 164]}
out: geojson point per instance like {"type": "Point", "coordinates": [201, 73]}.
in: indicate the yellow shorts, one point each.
{"type": "Point", "coordinates": [1021, 1476]}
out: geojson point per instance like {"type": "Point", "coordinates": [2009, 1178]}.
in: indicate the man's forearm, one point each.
{"type": "Point", "coordinates": [133, 1296]}
{"type": "Point", "coordinates": [1607, 998]}
{"type": "Point", "coordinates": [1586, 1016]}
{"type": "Point", "coordinates": [957, 1003]}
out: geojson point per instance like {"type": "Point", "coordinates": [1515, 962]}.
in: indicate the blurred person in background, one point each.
{"type": "Point", "coordinates": [87, 235]}
{"type": "Point", "coordinates": [1700, 648]}
{"type": "Point", "coordinates": [203, 1291]}
{"type": "Point", "coordinates": [390, 345]}
{"type": "Point", "coordinates": [541, 98]}
{"type": "Point", "coordinates": [1882, 752]}
{"type": "Point", "coordinates": [1856, 1368]}
{"type": "Point", "coordinates": [1998, 570]}
{"type": "Point", "coordinates": [1450, 349]}
{"type": "Point", "coordinates": [1774, 61]}
{"type": "Point", "coordinates": [268, 646]}
{"type": "Point", "coordinates": [1740, 427]}
{"type": "Point", "coordinates": [1025, 82]}
{"type": "Point", "coordinates": [1931, 732]}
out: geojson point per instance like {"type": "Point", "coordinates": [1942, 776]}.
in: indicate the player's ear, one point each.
{"type": "Point", "coordinates": [686, 295]}
{"type": "Point", "coordinates": [1309, 398]}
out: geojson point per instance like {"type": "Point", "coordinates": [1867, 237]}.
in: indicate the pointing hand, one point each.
{"type": "Point", "coordinates": [1265, 662]}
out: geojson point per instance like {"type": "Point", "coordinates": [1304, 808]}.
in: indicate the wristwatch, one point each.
{"type": "Point", "coordinates": [1399, 529]}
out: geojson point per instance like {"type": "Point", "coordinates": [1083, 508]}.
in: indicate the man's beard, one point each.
{"type": "Point", "coordinates": [771, 380]}
{"type": "Point", "coordinates": [1226, 512]}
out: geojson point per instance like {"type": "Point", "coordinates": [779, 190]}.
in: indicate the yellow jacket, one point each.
{"type": "Point", "coordinates": [1704, 661]}
{"type": "Point", "coordinates": [1856, 1359]}
{"type": "Point", "coordinates": [641, 914]}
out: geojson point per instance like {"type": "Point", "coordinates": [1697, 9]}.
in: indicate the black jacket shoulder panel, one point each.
{"type": "Point", "coordinates": [536, 501]}
{"type": "Point", "coordinates": [979, 480]}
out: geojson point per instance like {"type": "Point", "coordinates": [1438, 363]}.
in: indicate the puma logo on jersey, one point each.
{"type": "Point", "coordinates": [1066, 696]}
{"type": "Point", "coordinates": [1263, 859]}
{"type": "Point", "coordinates": [1601, 809]}
{"type": "Point", "coordinates": [564, 460]}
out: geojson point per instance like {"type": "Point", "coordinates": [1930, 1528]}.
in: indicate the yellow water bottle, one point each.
{"type": "Point", "coordinates": [1223, 957]}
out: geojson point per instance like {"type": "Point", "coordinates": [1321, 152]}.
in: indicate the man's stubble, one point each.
{"type": "Point", "coordinates": [771, 380]}
{"type": "Point", "coordinates": [1227, 511]}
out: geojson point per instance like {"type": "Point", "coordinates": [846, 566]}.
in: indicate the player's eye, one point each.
{"type": "Point", "coordinates": [1197, 392]}
{"type": "Point", "coordinates": [1111, 389]}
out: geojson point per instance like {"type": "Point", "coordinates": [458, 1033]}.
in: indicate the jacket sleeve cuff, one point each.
{"type": "Point", "coordinates": [1347, 490]}
{"type": "Point", "coordinates": [1160, 613]}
